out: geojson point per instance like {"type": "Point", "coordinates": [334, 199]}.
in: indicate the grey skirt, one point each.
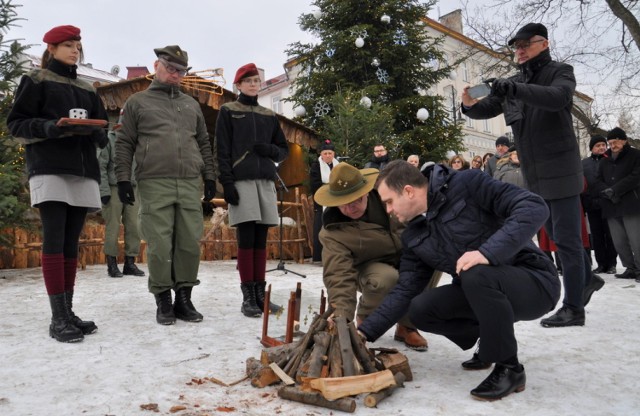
{"type": "Point", "coordinates": [258, 202]}
{"type": "Point", "coordinates": [76, 191]}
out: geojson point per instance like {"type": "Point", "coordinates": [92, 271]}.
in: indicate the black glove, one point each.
{"type": "Point", "coordinates": [99, 137]}
{"type": "Point", "coordinates": [209, 190]}
{"type": "Point", "coordinates": [51, 131]}
{"type": "Point", "coordinates": [502, 87]}
{"type": "Point", "coordinates": [231, 195]}
{"type": "Point", "coordinates": [125, 193]}
{"type": "Point", "coordinates": [105, 199]}
{"type": "Point", "coordinates": [263, 149]}
{"type": "Point", "coordinates": [610, 195]}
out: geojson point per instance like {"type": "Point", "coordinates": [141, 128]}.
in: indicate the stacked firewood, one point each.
{"type": "Point", "coordinates": [329, 364]}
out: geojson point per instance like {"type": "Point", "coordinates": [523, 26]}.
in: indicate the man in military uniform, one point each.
{"type": "Point", "coordinates": [164, 131]}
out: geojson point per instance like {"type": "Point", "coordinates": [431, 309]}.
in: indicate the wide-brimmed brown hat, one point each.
{"type": "Point", "coordinates": [346, 184]}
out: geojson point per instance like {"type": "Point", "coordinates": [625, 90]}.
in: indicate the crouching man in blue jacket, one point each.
{"type": "Point", "coordinates": [479, 231]}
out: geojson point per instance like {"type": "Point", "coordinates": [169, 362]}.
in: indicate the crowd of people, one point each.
{"type": "Point", "coordinates": [383, 234]}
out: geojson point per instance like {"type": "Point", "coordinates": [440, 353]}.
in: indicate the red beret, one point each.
{"type": "Point", "coordinates": [60, 34]}
{"type": "Point", "coordinates": [244, 71]}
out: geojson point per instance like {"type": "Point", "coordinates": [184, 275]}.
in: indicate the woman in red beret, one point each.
{"type": "Point", "coordinates": [62, 166]}
{"type": "Point", "coordinates": [249, 144]}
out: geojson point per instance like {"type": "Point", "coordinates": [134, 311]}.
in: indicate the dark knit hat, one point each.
{"type": "Point", "coordinates": [245, 71]}
{"type": "Point", "coordinates": [60, 34]}
{"type": "Point", "coordinates": [595, 140]}
{"type": "Point", "coordinates": [175, 56]}
{"type": "Point", "coordinates": [530, 30]}
{"type": "Point", "coordinates": [616, 133]}
{"type": "Point", "coordinates": [327, 145]}
{"type": "Point", "coordinates": [503, 140]}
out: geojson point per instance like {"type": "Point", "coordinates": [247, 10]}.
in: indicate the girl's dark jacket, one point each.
{"type": "Point", "coordinates": [539, 113]}
{"type": "Point", "coordinates": [467, 210]}
{"type": "Point", "coordinates": [241, 124]}
{"type": "Point", "coordinates": [621, 174]}
{"type": "Point", "coordinates": [48, 95]}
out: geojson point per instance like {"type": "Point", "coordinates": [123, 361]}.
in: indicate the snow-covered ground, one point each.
{"type": "Point", "coordinates": [132, 362]}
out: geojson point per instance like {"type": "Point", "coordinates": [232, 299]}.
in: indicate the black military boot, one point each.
{"type": "Point", "coordinates": [87, 327]}
{"type": "Point", "coordinates": [260, 287]}
{"type": "Point", "coordinates": [183, 308]}
{"type": "Point", "coordinates": [165, 314]}
{"type": "Point", "coordinates": [249, 306]}
{"type": "Point", "coordinates": [130, 267]}
{"type": "Point", "coordinates": [112, 267]}
{"type": "Point", "coordinates": [61, 328]}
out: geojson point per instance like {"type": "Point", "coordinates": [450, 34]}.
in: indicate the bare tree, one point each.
{"type": "Point", "coordinates": [600, 39]}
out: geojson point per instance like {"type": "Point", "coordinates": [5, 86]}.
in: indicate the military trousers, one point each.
{"type": "Point", "coordinates": [114, 213]}
{"type": "Point", "coordinates": [171, 223]}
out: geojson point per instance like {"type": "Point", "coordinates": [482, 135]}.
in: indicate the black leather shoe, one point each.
{"type": "Point", "coordinates": [502, 381]}
{"type": "Point", "coordinates": [611, 270]}
{"type": "Point", "coordinates": [599, 269]}
{"type": "Point", "coordinates": [564, 317]}
{"type": "Point", "coordinates": [475, 363]}
{"type": "Point", "coordinates": [594, 285]}
{"type": "Point", "coordinates": [627, 274]}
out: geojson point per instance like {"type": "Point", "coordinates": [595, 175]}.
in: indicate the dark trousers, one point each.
{"type": "Point", "coordinates": [486, 304]}
{"type": "Point", "coordinates": [605, 251]}
{"type": "Point", "coordinates": [565, 229]}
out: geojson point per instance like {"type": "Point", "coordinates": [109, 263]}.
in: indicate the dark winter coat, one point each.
{"type": "Point", "coordinates": [467, 211]}
{"type": "Point", "coordinates": [48, 95]}
{"type": "Point", "coordinates": [241, 124]}
{"type": "Point", "coordinates": [540, 117]}
{"type": "Point", "coordinates": [591, 200]}
{"type": "Point", "coordinates": [623, 176]}
{"type": "Point", "coordinates": [378, 162]}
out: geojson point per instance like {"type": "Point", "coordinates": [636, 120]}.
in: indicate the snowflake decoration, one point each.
{"type": "Point", "coordinates": [359, 33]}
{"type": "Point", "coordinates": [383, 76]}
{"type": "Point", "coordinates": [321, 108]}
{"type": "Point", "coordinates": [330, 52]}
{"type": "Point", "coordinates": [400, 38]}
{"type": "Point", "coordinates": [306, 96]}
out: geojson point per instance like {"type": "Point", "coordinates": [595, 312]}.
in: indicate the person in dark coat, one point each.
{"type": "Point", "coordinates": [601, 241]}
{"type": "Point", "coordinates": [502, 146]}
{"type": "Point", "coordinates": [618, 182]}
{"type": "Point", "coordinates": [479, 231]}
{"type": "Point", "coordinates": [319, 175]}
{"type": "Point", "coordinates": [379, 159]}
{"type": "Point", "coordinates": [537, 104]}
{"type": "Point", "coordinates": [62, 167]}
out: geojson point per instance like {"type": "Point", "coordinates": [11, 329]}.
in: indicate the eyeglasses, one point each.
{"type": "Point", "coordinates": [526, 44]}
{"type": "Point", "coordinates": [173, 70]}
{"type": "Point", "coordinates": [379, 151]}
{"type": "Point", "coordinates": [456, 161]}
{"type": "Point", "coordinates": [353, 204]}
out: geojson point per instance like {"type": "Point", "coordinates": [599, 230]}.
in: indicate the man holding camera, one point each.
{"type": "Point", "coordinates": [537, 104]}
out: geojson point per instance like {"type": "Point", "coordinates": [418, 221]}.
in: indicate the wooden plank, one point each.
{"type": "Point", "coordinates": [281, 374]}
{"type": "Point", "coordinates": [336, 388]}
{"type": "Point", "coordinates": [344, 338]}
{"type": "Point", "coordinates": [372, 399]}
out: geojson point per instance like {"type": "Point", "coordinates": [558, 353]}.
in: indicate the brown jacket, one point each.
{"type": "Point", "coordinates": [348, 245]}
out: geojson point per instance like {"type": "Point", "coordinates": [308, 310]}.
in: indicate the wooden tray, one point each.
{"type": "Point", "coordinates": [87, 122]}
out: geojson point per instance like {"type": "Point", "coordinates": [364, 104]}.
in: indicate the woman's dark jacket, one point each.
{"type": "Point", "coordinates": [241, 124]}
{"type": "Point", "coordinates": [47, 95]}
{"type": "Point", "coordinates": [539, 113]}
{"type": "Point", "coordinates": [467, 210]}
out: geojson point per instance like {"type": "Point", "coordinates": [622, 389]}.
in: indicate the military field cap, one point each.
{"type": "Point", "coordinates": [175, 56]}
{"type": "Point", "coordinates": [616, 133]}
{"type": "Point", "coordinates": [346, 184]}
{"type": "Point", "coordinates": [245, 71]}
{"type": "Point", "coordinates": [60, 34]}
{"type": "Point", "coordinates": [530, 30]}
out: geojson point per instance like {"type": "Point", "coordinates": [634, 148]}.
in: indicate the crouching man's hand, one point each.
{"type": "Point", "coordinates": [470, 259]}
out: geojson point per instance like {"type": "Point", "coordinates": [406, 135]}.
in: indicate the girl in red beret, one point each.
{"type": "Point", "coordinates": [249, 144]}
{"type": "Point", "coordinates": [62, 166]}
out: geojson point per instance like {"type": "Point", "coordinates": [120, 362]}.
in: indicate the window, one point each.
{"type": "Point", "coordinates": [486, 125]}
{"type": "Point", "coordinates": [276, 104]}
{"type": "Point", "coordinates": [465, 71]}
{"type": "Point", "coordinates": [469, 122]}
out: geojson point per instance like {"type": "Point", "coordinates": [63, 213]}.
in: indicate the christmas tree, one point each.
{"type": "Point", "coordinates": [13, 195]}
{"type": "Point", "coordinates": [367, 80]}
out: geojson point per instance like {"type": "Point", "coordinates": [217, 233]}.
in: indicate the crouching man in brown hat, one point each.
{"type": "Point", "coordinates": [361, 248]}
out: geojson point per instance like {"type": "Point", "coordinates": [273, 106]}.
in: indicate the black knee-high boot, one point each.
{"type": "Point", "coordinates": [61, 328]}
